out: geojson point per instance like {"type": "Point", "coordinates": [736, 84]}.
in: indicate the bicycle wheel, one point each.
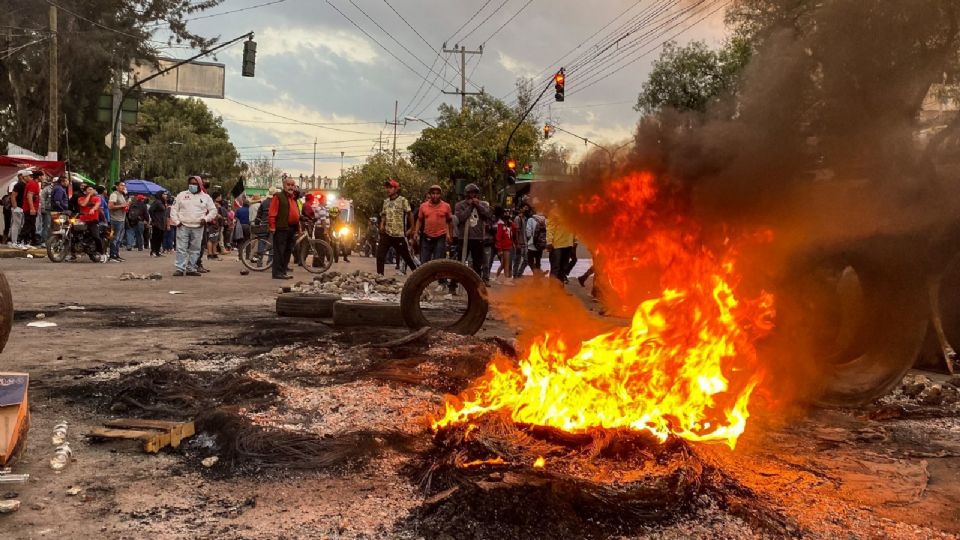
{"type": "Point", "coordinates": [315, 256]}
{"type": "Point", "coordinates": [257, 254]}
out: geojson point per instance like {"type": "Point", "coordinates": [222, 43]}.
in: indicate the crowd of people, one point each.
{"type": "Point", "coordinates": [476, 233]}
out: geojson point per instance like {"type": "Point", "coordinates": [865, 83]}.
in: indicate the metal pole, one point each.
{"type": "Point", "coordinates": [314, 159]}
{"type": "Point", "coordinates": [340, 182]}
{"type": "Point", "coordinates": [273, 164]}
{"type": "Point", "coordinates": [115, 132]}
{"type": "Point", "coordinates": [395, 105]}
{"type": "Point", "coordinates": [463, 78]}
{"type": "Point", "coordinates": [53, 135]}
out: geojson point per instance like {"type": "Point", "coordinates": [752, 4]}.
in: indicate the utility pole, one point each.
{"type": "Point", "coordinates": [463, 73]}
{"type": "Point", "coordinates": [395, 123]}
{"type": "Point", "coordinates": [314, 159]}
{"type": "Point", "coordinates": [273, 164]}
{"type": "Point", "coordinates": [340, 182]}
{"type": "Point", "coordinates": [53, 134]}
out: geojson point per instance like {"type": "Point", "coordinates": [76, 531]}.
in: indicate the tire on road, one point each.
{"type": "Point", "coordinates": [57, 248]}
{"type": "Point", "coordinates": [478, 303]}
{"type": "Point", "coordinates": [359, 313]}
{"type": "Point", "coordinates": [309, 306]}
{"type": "Point", "coordinates": [6, 311]}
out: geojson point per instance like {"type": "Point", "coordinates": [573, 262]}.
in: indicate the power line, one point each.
{"type": "Point", "coordinates": [477, 27]}
{"type": "Point", "coordinates": [211, 15]}
{"type": "Point", "coordinates": [497, 31]}
{"type": "Point", "coordinates": [321, 126]}
{"type": "Point", "coordinates": [397, 58]}
{"type": "Point", "coordinates": [472, 17]}
{"type": "Point", "coordinates": [14, 50]}
{"type": "Point", "coordinates": [95, 23]}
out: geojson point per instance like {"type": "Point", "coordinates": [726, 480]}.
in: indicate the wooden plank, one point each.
{"type": "Point", "coordinates": [153, 441]}
{"type": "Point", "coordinates": [177, 430]}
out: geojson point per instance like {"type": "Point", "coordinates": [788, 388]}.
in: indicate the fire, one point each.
{"type": "Point", "coordinates": [687, 364]}
{"type": "Point", "coordinates": [539, 463]}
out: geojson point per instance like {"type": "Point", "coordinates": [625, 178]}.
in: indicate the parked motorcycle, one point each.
{"type": "Point", "coordinates": [72, 237]}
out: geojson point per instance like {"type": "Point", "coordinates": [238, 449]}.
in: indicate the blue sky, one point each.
{"type": "Point", "coordinates": [315, 66]}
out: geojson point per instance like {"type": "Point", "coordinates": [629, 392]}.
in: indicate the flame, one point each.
{"type": "Point", "coordinates": [539, 463]}
{"type": "Point", "coordinates": [686, 366]}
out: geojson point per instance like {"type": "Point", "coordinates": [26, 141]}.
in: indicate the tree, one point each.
{"type": "Point", "coordinates": [95, 37]}
{"type": "Point", "coordinates": [177, 137]}
{"type": "Point", "coordinates": [469, 144]}
{"type": "Point", "coordinates": [690, 78]}
{"type": "Point", "coordinates": [364, 183]}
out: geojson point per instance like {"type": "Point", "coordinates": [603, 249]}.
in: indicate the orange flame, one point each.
{"type": "Point", "coordinates": [686, 366]}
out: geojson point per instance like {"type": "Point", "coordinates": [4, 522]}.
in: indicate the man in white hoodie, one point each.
{"type": "Point", "coordinates": [191, 211]}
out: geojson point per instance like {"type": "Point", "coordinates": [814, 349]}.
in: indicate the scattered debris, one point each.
{"type": "Point", "coordinates": [244, 272]}
{"type": "Point", "coordinates": [41, 324]}
{"type": "Point", "coordinates": [129, 276]}
{"type": "Point", "coordinates": [9, 506]}
{"type": "Point", "coordinates": [73, 492]}
{"type": "Point", "coordinates": [176, 292]}
{"type": "Point", "coordinates": [155, 434]}
{"type": "Point", "coordinates": [353, 285]}
{"type": "Point", "coordinates": [210, 461]}
{"type": "Point", "coordinates": [41, 316]}
{"type": "Point", "coordinates": [74, 308]}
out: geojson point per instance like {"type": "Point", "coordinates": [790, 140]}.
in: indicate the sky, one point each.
{"type": "Point", "coordinates": [321, 77]}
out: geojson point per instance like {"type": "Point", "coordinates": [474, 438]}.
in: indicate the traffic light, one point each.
{"type": "Point", "coordinates": [511, 171]}
{"type": "Point", "coordinates": [560, 79]}
{"type": "Point", "coordinates": [249, 58]}
{"type": "Point", "coordinates": [547, 130]}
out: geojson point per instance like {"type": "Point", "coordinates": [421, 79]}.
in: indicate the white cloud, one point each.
{"type": "Point", "coordinates": [517, 67]}
{"type": "Point", "coordinates": [297, 41]}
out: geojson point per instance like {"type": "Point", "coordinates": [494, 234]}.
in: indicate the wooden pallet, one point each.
{"type": "Point", "coordinates": [155, 434]}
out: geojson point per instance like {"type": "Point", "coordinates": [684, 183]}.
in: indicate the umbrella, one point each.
{"type": "Point", "coordinates": [77, 177]}
{"type": "Point", "coordinates": [143, 187]}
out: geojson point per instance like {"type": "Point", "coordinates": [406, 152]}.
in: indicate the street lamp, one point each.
{"type": "Point", "coordinates": [415, 119]}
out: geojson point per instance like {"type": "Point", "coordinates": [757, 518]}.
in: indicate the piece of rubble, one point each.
{"type": "Point", "coordinates": [210, 461]}
{"type": "Point", "coordinates": [41, 316]}
{"type": "Point", "coordinates": [74, 491]}
{"type": "Point", "coordinates": [9, 506]}
{"type": "Point", "coordinates": [41, 324]}
{"type": "Point", "coordinates": [933, 395]}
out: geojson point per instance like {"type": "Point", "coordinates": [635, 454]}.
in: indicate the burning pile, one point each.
{"type": "Point", "coordinates": [686, 366]}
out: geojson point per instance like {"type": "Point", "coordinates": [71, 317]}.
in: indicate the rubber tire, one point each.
{"type": "Point", "coordinates": [478, 303]}
{"type": "Point", "coordinates": [891, 338]}
{"type": "Point", "coordinates": [307, 306]}
{"type": "Point", "coordinates": [359, 313]}
{"type": "Point", "coordinates": [6, 311]}
{"type": "Point", "coordinates": [63, 252]}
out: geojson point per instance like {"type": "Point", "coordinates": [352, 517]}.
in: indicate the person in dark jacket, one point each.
{"type": "Point", "coordinates": [283, 220]}
{"type": "Point", "coordinates": [59, 201]}
{"type": "Point", "coordinates": [158, 224]}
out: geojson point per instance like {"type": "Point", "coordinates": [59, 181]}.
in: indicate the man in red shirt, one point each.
{"type": "Point", "coordinates": [433, 226]}
{"type": "Point", "coordinates": [90, 213]}
{"type": "Point", "coordinates": [283, 220]}
{"type": "Point", "coordinates": [31, 208]}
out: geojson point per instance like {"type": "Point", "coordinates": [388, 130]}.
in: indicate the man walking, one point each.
{"type": "Point", "coordinates": [536, 233]}
{"type": "Point", "coordinates": [520, 240]}
{"type": "Point", "coordinates": [395, 213]}
{"type": "Point", "coordinates": [118, 206]}
{"type": "Point", "coordinates": [190, 212]}
{"type": "Point", "coordinates": [284, 222]}
{"type": "Point", "coordinates": [433, 226]}
{"type": "Point", "coordinates": [16, 208]}
{"type": "Point", "coordinates": [474, 217]}
{"type": "Point", "coordinates": [560, 246]}
{"type": "Point", "coordinates": [136, 214]}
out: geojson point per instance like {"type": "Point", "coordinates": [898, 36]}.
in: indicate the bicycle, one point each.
{"type": "Point", "coordinates": [311, 253]}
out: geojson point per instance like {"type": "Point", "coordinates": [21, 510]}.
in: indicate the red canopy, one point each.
{"type": "Point", "coordinates": [51, 168]}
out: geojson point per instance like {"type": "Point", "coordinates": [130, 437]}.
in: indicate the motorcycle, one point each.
{"type": "Point", "coordinates": [72, 237]}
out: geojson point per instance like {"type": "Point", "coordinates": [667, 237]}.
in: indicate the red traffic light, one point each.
{"type": "Point", "coordinates": [559, 78]}
{"type": "Point", "coordinates": [512, 164]}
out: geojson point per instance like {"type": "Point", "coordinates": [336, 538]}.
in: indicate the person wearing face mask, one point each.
{"type": "Point", "coordinates": [191, 211]}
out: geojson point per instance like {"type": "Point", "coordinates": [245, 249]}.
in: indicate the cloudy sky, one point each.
{"type": "Point", "coordinates": [322, 77]}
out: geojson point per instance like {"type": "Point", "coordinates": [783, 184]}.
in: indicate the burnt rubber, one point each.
{"type": "Point", "coordinates": [309, 306]}
{"type": "Point", "coordinates": [6, 311]}
{"type": "Point", "coordinates": [477, 302]}
{"type": "Point", "coordinates": [359, 313]}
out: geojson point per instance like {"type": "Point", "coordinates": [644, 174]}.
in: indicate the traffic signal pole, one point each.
{"type": "Point", "coordinates": [118, 104]}
{"type": "Point", "coordinates": [506, 149]}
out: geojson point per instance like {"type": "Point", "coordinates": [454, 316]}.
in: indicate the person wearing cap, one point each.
{"type": "Point", "coordinates": [31, 208]}
{"type": "Point", "coordinates": [394, 215]}
{"type": "Point", "coordinates": [191, 211]}
{"type": "Point", "coordinates": [16, 207]}
{"type": "Point", "coordinates": [433, 226]}
{"type": "Point", "coordinates": [474, 217]}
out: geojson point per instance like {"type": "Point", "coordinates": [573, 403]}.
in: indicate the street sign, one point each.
{"type": "Point", "coordinates": [122, 141]}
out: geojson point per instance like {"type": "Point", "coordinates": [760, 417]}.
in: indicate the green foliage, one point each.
{"type": "Point", "coordinates": [468, 144]}
{"type": "Point", "coordinates": [690, 78]}
{"type": "Point", "coordinates": [88, 55]}
{"type": "Point", "coordinates": [364, 183]}
{"type": "Point", "coordinates": [176, 138]}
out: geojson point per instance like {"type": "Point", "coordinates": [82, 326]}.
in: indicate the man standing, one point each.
{"type": "Point", "coordinates": [16, 207]}
{"type": "Point", "coordinates": [433, 226]}
{"type": "Point", "coordinates": [136, 214]}
{"type": "Point", "coordinates": [190, 213]}
{"type": "Point", "coordinates": [46, 194]}
{"type": "Point", "coordinates": [283, 221]}
{"type": "Point", "coordinates": [31, 208]}
{"type": "Point", "coordinates": [59, 202]}
{"type": "Point", "coordinates": [118, 206]}
{"type": "Point", "coordinates": [520, 240]}
{"type": "Point", "coordinates": [536, 233]}
{"type": "Point", "coordinates": [158, 224]}
{"type": "Point", "coordinates": [474, 216]}
{"type": "Point", "coordinates": [395, 213]}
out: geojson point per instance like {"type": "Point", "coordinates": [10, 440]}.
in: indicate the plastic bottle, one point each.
{"type": "Point", "coordinates": [59, 434]}
{"type": "Point", "coordinates": [61, 458]}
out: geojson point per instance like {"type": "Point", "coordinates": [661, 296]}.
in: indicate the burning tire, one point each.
{"type": "Point", "coordinates": [6, 311]}
{"type": "Point", "coordinates": [864, 320]}
{"type": "Point", "coordinates": [477, 303]}
{"type": "Point", "coordinates": [309, 306]}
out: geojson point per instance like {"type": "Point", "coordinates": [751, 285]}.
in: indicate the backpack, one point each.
{"type": "Point", "coordinates": [133, 214]}
{"type": "Point", "coordinates": [540, 233]}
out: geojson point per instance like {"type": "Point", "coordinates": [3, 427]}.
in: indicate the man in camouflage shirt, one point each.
{"type": "Point", "coordinates": [394, 217]}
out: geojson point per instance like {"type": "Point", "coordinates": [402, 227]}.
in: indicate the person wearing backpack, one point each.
{"type": "Point", "coordinates": [136, 214]}
{"type": "Point", "coordinates": [536, 231]}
